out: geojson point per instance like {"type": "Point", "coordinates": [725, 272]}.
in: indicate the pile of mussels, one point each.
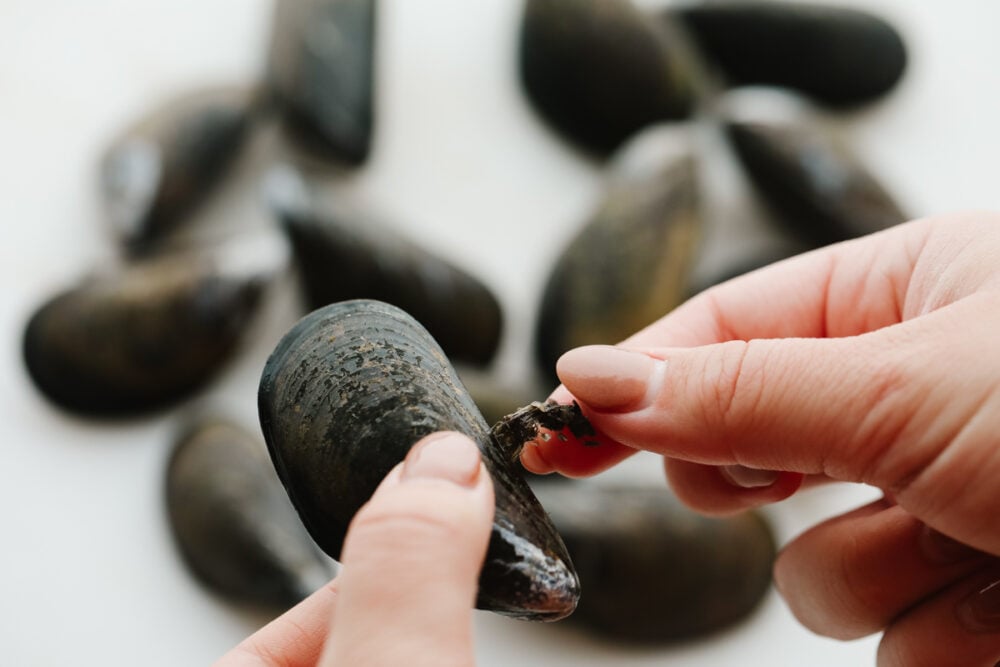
{"type": "Point", "coordinates": [356, 382]}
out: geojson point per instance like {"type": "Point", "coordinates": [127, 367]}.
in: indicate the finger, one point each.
{"type": "Point", "coordinates": [570, 456]}
{"type": "Point", "coordinates": [850, 576]}
{"type": "Point", "coordinates": [833, 291]}
{"type": "Point", "coordinates": [411, 561]}
{"type": "Point", "coordinates": [294, 639]}
{"type": "Point", "coordinates": [718, 491]}
{"type": "Point", "coordinates": [960, 627]}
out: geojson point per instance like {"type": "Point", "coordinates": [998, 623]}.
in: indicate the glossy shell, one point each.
{"type": "Point", "coordinates": [321, 74]}
{"type": "Point", "coordinates": [836, 55]}
{"type": "Point", "coordinates": [630, 263]}
{"type": "Point", "coordinates": [813, 182]}
{"type": "Point", "coordinates": [141, 338]}
{"type": "Point", "coordinates": [232, 522]}
{"type": "Point", "coordinates": [158, 170]}
{"type": "Point", "coordinates": [343, 254]}
{"type": "Point", "coordinates": [600, 70]}
{"type": "Point", "coordinates": [653, 571]}
{"type": "Point", "coordinates": [344, 396]}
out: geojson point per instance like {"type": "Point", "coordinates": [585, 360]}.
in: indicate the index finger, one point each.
{"type": "Point", "coordinates": [840, 290]}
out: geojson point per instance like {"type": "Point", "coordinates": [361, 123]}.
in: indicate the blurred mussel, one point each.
{"type": "Point", "coordinates": [321, 73]}
{"type": "Point", "coordinates": [232, 522]}
{"type": "Point", "coordinates": [159, 169]}
{"type": "Point", "coordinates": [143, 336]}
{"type": "Point", "coordinates": [630, 263]}
{"type": "Point", "coordinates": [344, 396]}
{"type": "Point", "coordinates": [748, 261]}
{"type": "Point", "coordinates": [600, 70]}
{"type": "Point", "coordinates": [344, 254]}
{"type": "Point", "coordinates": [836, 55]}
{"type": "Point", "coordinates": [653, 571]}
{"type": "Point", "coordinates": [809, 177]}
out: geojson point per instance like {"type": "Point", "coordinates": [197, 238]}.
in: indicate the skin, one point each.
{"type": "Point", "coordinates": [873, 361]}
{"type": "Point", "coordinates": [870, 361]}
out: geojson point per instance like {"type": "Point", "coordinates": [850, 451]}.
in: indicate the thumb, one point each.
{"type": "Point", "coordinates": [831, 406]}
{"type": "Point", "coordinates": [411, 561]}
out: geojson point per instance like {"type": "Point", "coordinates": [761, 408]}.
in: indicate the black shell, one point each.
{"type": "Point", "coordinates": [630, 264]}
{"type": "Point", "coordinates": [812, 181]}
{"type": "Point", "coordinates": [838, 56]}
{"type": "Point", "coordinates": [343, 254]}
{"type": "Point", "coordinates": [141, 338]}
{"type": "Point", "coordinates": [167, 162]}
{"type": "Point", "coordinates": [344, 396]}
{"type": "Point", "coordinates": [653, 571]}
{"type": "Point", "coordinates": [600, 70]}
{"type": "Point", "coordinates": [321, 74]}
{"type": "Point", "coordinates": [232, 521]}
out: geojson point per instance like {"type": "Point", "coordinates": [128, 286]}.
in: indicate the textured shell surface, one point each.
{"type": "Point", "coordinates": [161, 167]}
{"type": "Point", "coordinates": [653, 571]}
{"type": "Point", "coordinates": [232, 522]}
{"type": "Point", "coordinates": [140, 338]}
{"type": "Point", "coordinates": [344, 396]}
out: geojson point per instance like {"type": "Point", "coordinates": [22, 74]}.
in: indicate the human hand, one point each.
{"type": "Point", "coordinates": [872, 361]}
{"type": "Point", "coordinates": [411, 564]}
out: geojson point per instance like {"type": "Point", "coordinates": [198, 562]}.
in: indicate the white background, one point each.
{"type": "Point", "coordinates": [88, 575]}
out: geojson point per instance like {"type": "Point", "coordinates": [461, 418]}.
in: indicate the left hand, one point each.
{"type": "Point", "coordinates": [411, 564]}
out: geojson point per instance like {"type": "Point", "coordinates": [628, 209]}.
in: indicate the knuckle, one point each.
{"type": "Point", "coordinates": [736, 382]}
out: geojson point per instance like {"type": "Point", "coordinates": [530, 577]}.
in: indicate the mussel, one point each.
{"type": "Point", "coordinates": [836, 55]}
{"type": "Point", "coordinates": [321, 74]}
{"type": "Point", "coordinates": [344, 254]}
{"type": "Point", "coordinates": [344, 396]}
{"type": "Point", "coordinates": [630, 264]}
{"type": "Point", "coordinates": [232, 522]}
{"type": "Point", "coordinates": [167, 162]}
{"type": "Point", "coordinates": [140, 338]}
{"type": "Point", "coordinates": [600, 70]}
{"type": "Point", "coordinates": [653, 571]}
{"type": "Point", "coordinates": [811, 179]}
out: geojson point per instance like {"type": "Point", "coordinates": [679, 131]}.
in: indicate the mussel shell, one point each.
{"type": "Point", "coordinates": [343, 254]}
{"type": "Point", "coordinates": [836, 55]}
{"type": "Point", "coordinates": [167, 162]}
{"type": "Point", "coordinates": [630, 263]}
{"type": "Point", "coordinates": [344, 396]}
{"type": "Point", "coordinates": [813, 182]}
{"type": "Point", "coordinates": [321, 74]}
{"type": "Point", "coordinates": [232, 522]}
{"type": "Point", "coordinates": [653, 571]}
{"type": "Point", "coordinates": [141, 338]}
{"type": "Point", "coordinates": [600, 70]}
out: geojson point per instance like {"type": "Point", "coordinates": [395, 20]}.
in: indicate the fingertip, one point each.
{"type": "Point", "coordinates": [534, 461]}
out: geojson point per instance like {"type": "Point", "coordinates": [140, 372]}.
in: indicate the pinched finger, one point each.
{"type": "Point", "coordinates": [850, 576]}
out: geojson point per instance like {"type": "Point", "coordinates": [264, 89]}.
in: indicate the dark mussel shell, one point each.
{"type": "Point", "coordinates": [321, 74]}
{"type": "Point", "coordinates": [630, 264]}
{"type": "Point", "coordinates": [343, 254]}
{"type": "Point", "coordinates": [600, 70]}
{"type": "Point", "coordinates": [344, 396]}
{"type": "Point", "coordinates": [141, 338]}
{"type": "Point", "coordinates": [813, 182]}
{"type": "Point", "coordinates": [232, 521]}
{"type": "Point", "coordinates": [838, 56]}
{"type": "Point", "coordinates": [653, 571]}
{"type": "Point", "coordinates": [166, 163]}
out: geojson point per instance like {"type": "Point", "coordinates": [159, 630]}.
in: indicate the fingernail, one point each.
{"type": "Point", "coordinates": [610, 378]}
{"type": "Point", "coordinates": [447, 456]}
{"type": "Point", "coordinates": [980, 610]}
{"type": "Point", "coordinates": [533, 461]}
{"type": "Point", "coordinates": [749, 478]}
{"type": "Point", "coordinates": [940, 549]}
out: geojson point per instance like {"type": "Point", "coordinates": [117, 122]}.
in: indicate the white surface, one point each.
{"type": "Point", "coordinates": [89, 576]}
